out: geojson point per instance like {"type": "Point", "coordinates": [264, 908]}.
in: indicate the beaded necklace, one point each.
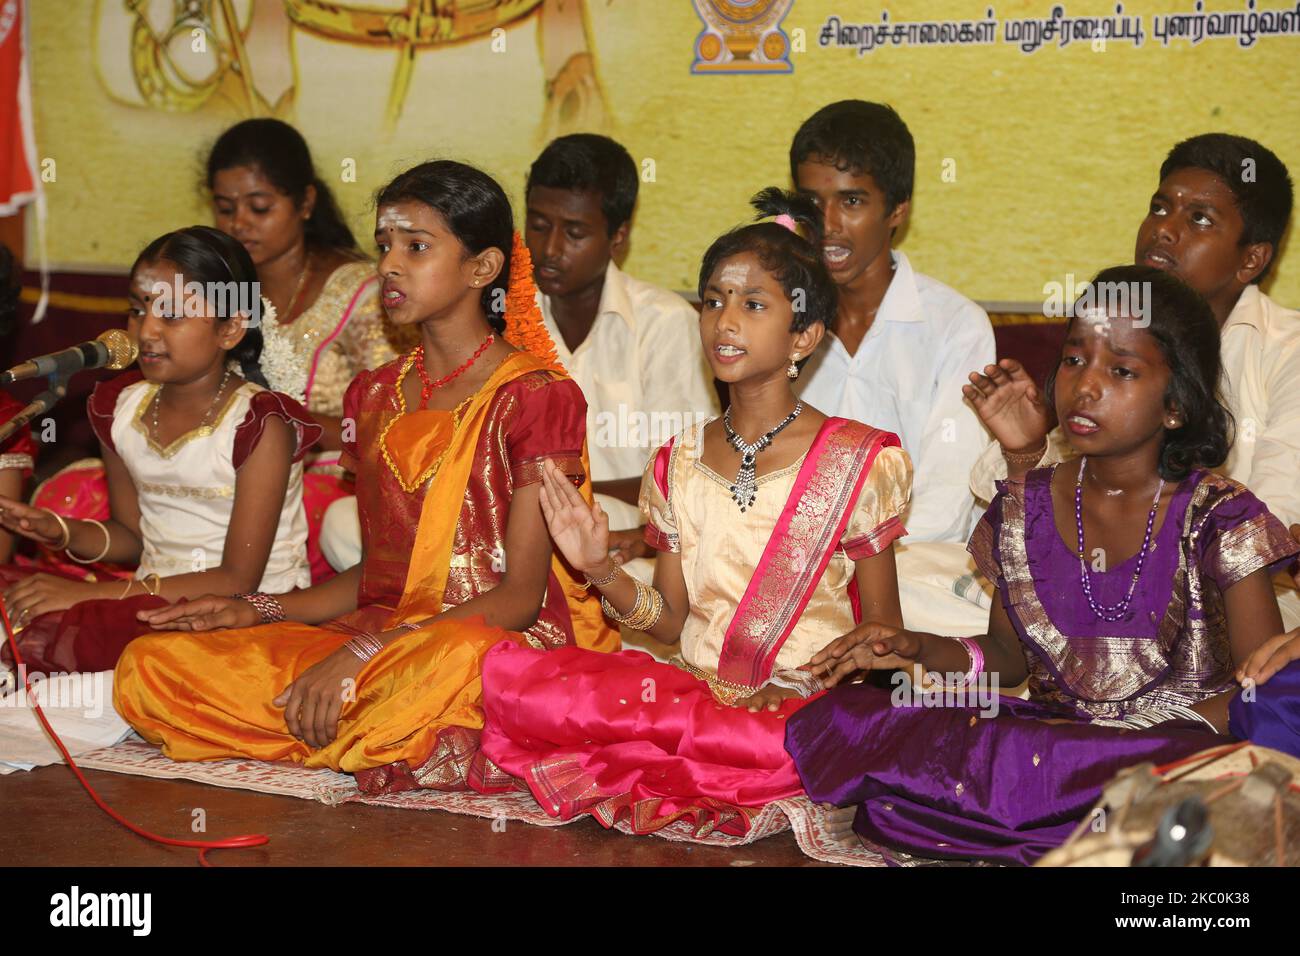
{"type": "Point", "coordinates": [1113, 612]}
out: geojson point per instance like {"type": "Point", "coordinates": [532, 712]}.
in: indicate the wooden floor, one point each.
{"type": "Point", "coordinates": [60, 826]}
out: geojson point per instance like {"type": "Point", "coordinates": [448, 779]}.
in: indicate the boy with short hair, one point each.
{"type": "Point", "coordinates": [903, 343]}
{"type": "Point", "coordinates": [633, 348]}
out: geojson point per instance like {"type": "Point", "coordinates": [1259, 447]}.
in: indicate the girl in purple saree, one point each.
{"type": "Point", "coordinates": [1133, 590]}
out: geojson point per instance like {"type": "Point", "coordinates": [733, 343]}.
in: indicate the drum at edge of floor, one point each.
{"type": "Point", "coordinates": [1237, 805]}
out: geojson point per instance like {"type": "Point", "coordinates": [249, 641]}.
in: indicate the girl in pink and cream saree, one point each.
{"type": "Point", "coordinates": [773, 527]}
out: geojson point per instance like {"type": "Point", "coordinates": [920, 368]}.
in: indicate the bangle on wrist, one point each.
{"type": "Point", "coordinates": [645, 611]}
{"type": "Point", "coordinates": [268, 608]}
{"type": "Point", "coordinates": [364, 645]}
{"type": "Point", "coordinates": [1029, 458]}
{"type": "Point", "coordinates": [108, 542]}
{"type": "Point", "coordinates": [63, 527]}
{"type": "Point", "coordinates": [604, 579]}
{"type": "Point", "coordinates": [130, 582]}
{"type": "Point", "coordinates": [976, 654]}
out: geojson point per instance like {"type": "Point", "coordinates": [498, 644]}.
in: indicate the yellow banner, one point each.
{"type": "Point", "coordinates": [1040, 126]}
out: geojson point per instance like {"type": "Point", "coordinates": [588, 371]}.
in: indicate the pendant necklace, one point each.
{"type": "Point", "coordinates": [745, 490]}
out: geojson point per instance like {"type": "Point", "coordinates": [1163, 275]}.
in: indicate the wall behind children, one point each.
{"type": "Point", "coordinates": [1030, 165]}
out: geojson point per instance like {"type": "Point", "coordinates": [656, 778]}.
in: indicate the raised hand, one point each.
{"type": "Point", "coordinates": [869, 646]}
{"type": "Point", "coordinates": [1010, 405]}
{"type": "Point", "coordinates": [208, 613]}
{"type": "Point", "coordinates": [39, 524]}
{"type": "Point", "coordinates": [580, 530]}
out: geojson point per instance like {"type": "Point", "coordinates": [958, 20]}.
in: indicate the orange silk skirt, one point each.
{"type": "Point", "coordinates": [207, 696]}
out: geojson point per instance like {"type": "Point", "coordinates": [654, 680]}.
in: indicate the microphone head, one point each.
{"type": "Point", "coordinates": [122, 350]}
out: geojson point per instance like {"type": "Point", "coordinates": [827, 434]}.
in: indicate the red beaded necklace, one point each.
{"type": "Point", "coordinates": [428, 384]}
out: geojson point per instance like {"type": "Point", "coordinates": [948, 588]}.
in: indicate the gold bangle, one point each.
{"type": "Point", "coordinates": [641, 610]}
{"type": "Point", "coordinates": [127, 589]}
{"type": "Point", "coordinates": [108, 543]}
{"type": "Point", "coordinates": [156, 589]}
{"type": "Point", "coordinates": [653, 612]}
{"type": "Point", "coordinates": [63, 525]}
{"type": "Point", "coordinates": [613, 614]}
{"type": "Point", "coordinates": [645, 612]}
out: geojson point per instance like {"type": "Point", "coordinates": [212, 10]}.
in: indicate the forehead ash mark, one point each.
{"type": "Point", "coordinates": [393, 219]}
{"type": "Point", "coordinates": [1095, 320]}
{"type": "Point", "coordinates": [734, 273]}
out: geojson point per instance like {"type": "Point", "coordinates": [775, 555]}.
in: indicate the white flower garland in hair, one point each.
{"type": "Point", "coordinates": [284, 371]}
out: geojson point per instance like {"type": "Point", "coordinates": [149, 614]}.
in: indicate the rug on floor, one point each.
{"type": "Point", "coordinates": [799, 815]}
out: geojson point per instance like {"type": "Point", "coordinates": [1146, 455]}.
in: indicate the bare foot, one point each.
{"type": "Point", "coordinates": [839, 823]}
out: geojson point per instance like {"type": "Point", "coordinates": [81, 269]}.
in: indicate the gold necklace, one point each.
{"type": "Point", "coordinates": [302, 281]}
{"type": "Point", "coordinates": [157, 401]}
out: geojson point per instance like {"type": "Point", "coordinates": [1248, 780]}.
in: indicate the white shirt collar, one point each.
{"type": "Point", "coordinates": [614, 300]}
{"type": "Point", "coordinates": [902, 301]}
{"type": "Point", "coordinates": [1249, 310]}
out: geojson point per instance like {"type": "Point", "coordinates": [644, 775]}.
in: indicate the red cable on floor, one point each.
{"type": "Point", "coordinates": [203, 846]}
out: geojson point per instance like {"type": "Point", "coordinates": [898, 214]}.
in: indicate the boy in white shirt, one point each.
{"type": "Point", "coordinates": [633, 348]}
{"type": "Point", "coordinates": [903, 343]}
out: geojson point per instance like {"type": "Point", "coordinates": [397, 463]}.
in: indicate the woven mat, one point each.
{"type": "Point", "coordinates": [799, 815]}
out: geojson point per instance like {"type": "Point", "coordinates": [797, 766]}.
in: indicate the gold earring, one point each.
{"type": "Point", "coordinates": [1171, 423]}
{"type": "Point", "coordinates": [792, 370]}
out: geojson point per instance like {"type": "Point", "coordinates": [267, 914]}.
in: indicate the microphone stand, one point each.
{"type": "Point", "coordinates": [39, 405]}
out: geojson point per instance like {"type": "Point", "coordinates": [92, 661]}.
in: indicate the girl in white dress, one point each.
{"type": "Point", "coordinates": [204, 466]}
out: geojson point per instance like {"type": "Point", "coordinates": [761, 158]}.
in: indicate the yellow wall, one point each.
{"type": "Point", "coordinates": [1056, 151]}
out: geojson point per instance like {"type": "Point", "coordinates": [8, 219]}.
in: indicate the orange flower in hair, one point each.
{"type": "Point", "coordinates": [524, 326]}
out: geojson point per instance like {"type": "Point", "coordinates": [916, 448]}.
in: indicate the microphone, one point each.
{"type": "Point", "coordinates": [114, 349]}
{"type": "Point", "coordinates": [38, 406]}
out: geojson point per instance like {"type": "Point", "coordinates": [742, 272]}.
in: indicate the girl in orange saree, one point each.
{"type": "Point", "coordinates": [377, 671]}
{"type": "Point", "coordinates": [755, 574]}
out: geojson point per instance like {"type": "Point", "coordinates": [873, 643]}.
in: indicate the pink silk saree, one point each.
{"type": "Point", "coordinates": [622, 734]}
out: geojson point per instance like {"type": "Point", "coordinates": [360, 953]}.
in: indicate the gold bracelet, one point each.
{"type": "Point", "coordinates": [157, 584]}
{"type": "Point", "coordinates": [67, 532]}
{"type": "Point", "coordinates": [638, 607]}
{"type": "Point", "coordinates": [108, 543]}
{"type": "Point", "coordinates": [1030, 458]}
{"type": "Point", "coordinates": [127, 589]}
{"type": "Point", "coordinates": [642, 609]}
{"type": "Point", "coordinates": [645, 612]}
{"type": "Point", "coordinates": [601, 582]}
{"type": "Point", "coordinates": [653, 613]}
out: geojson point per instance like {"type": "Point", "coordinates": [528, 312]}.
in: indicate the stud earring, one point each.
{"type": "Point", "coordinates": [1171, 423]}
{"type": "Point", "coordinates": [792, 370]}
